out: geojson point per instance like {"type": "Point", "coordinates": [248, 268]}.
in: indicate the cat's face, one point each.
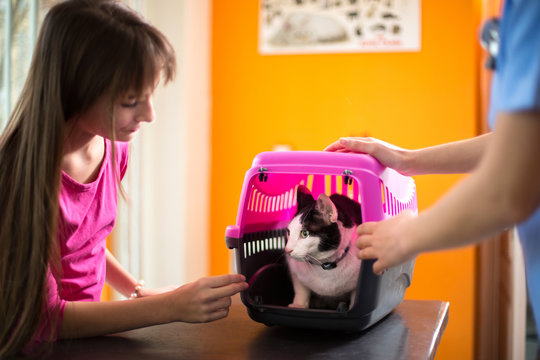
{"type": "Point", "coordinates": [309, 242]}
{"type": "Point", "coordinates": [313, 234]}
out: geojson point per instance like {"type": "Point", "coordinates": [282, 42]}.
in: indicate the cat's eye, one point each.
{"type": "Point", "coordinates": [304, 234]}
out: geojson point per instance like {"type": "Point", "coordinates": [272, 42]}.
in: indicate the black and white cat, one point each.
{"type": "Point", "coordinates": [321, 248]}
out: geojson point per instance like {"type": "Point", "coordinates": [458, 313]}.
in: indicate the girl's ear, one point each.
{"type": "Point", "coordinates": [327, 208]}
{"type": "Point", "coordinates": [303, 198]}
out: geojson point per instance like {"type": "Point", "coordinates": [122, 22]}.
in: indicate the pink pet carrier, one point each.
{"type": "Point", "coordinates": [268, 203]}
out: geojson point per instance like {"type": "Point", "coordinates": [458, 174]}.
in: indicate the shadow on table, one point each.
{"type": "Point", "coordinates": [388, 339]}
{"type": "Point", "coordinates": [103, 347]}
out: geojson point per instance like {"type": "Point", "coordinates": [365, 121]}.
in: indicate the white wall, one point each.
{"type": "Point", "coordinates": [164, 232]}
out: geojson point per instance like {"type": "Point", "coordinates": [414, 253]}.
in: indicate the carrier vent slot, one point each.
{"type": "Point", "coordinates": [258, 242]}
{"type": "Point", "coordinates": [391, 205]}
{"type": "Point", "coordinates": [262, 203]}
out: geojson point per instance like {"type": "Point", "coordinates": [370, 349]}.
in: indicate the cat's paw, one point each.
{"type": "Point", "coordinates": [296, 305]}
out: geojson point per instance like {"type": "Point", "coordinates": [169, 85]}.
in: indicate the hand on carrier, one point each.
{"type": "Point", "coordinates": [206, 299]}
{"type": "Point", "coordinates": [387, 241]}
{"type": "Point", "coordinates": [387, 154]}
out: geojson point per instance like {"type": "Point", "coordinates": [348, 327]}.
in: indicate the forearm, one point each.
{"type": "Point", "coordinates": [451, 158]}
{"type": "Point", "coordinates": [502, 191]}
{"type": "Point", "coordinates": [464, 216]}
{"type": "Point", "coordinates": [118, 277]}
{"type": "Point", "coordinates": [86, 319]}
{"type": "Point", "coordinates": [206, 299]}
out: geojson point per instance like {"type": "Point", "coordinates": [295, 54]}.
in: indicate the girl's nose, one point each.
{"type": "Point", "coordinates": [147, 113]}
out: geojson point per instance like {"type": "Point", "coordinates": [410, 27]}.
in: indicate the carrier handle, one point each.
{"type": "Point", "coordinates": [232, 236]}
{"type": "Point", "coordinates": [232, 243]}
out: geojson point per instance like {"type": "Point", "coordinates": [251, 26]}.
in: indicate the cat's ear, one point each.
{"type": "Point", "coordinates": [303, 198]}
{"type": "Point", "coordinates": [350, 210]}
{"type": "Point", "coordinates": [327, 208]}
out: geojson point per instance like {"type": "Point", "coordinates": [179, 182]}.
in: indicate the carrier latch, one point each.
{"type": "Point", "coordinates": [347, 179]}
{"type": "Point", "coordinates": [263, 176]}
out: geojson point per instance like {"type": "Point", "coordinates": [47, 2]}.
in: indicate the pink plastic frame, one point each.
{"type": "Point", "coordinates": [268, 198]}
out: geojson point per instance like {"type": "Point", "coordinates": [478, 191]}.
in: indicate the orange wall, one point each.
{"type": "Point", "coordinates": [307, 101]}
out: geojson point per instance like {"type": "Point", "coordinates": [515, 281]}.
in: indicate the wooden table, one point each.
{"type": "Point", "coordinates": [412, 331]}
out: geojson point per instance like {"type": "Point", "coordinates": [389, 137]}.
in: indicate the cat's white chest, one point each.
{"type": "Point", "coordinates": [334, 282]}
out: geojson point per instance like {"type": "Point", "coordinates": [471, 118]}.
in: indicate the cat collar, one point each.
{"type": "Point", "coordinates": [333, 264]}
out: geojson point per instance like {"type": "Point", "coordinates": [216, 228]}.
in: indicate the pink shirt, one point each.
{"type": "Point", "coordinates": [87, 217]}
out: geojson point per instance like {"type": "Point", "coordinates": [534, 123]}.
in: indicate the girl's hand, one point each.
{"type": "Point", "coordinates": [387, 154]}
{"type": "Point", "coordinates": [206, 299]}
{"type": "Point", "coordinates": [388, 241]}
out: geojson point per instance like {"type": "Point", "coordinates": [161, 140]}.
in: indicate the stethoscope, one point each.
{"type": "Point", "coordinates": [489, 39]}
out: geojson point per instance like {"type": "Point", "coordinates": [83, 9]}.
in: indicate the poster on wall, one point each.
{"type": "Point", "coordinates": [338, 26]}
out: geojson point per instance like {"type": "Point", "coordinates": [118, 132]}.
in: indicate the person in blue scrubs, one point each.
{"type": "Point", "coordinates": [503, 189]}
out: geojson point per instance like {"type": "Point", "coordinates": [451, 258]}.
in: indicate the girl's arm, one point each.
{"type": "Point", "coordinates": [451, 158]}
{"type": "Point", "coordinates": [123, 282]}
{"type": "Point", "coordinates": [118, 277]}
{"type": "Point", "coordinates": [502, 191]}
{"type": "Point", "coordinates": [204, 300]}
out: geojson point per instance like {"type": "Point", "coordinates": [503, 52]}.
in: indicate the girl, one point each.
{"type": "Point", "coordinates": [62, 156]}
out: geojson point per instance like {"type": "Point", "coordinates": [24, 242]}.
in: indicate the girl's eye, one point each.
{"type": "Point", "coordinates": [304, 234]}
{"type": "Point", "coordinates": [129, 101]}
{"type": "Point", "coordinates": [130, 105]}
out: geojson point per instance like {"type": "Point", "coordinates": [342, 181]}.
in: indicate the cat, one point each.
{"type": "Point", "coordinates": [320, 249]}
{"type": "Point", "coordinates": [307, 29]}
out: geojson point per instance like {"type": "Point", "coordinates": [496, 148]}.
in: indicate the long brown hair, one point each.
{"type": "Point", "coordinates": [86, 48]}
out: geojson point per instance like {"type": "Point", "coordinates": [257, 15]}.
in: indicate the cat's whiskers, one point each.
{"type": "Point", "coordinates": [278, 259]}
{"type": "Point", "coordinates": [313, 260]}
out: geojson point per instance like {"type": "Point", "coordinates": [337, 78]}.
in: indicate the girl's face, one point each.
{"type": "Point", "coordinates": [129, 112]}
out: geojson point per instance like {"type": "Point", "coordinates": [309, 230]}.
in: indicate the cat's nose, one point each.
{"type": "Point", "coordinates": [288, 251]}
